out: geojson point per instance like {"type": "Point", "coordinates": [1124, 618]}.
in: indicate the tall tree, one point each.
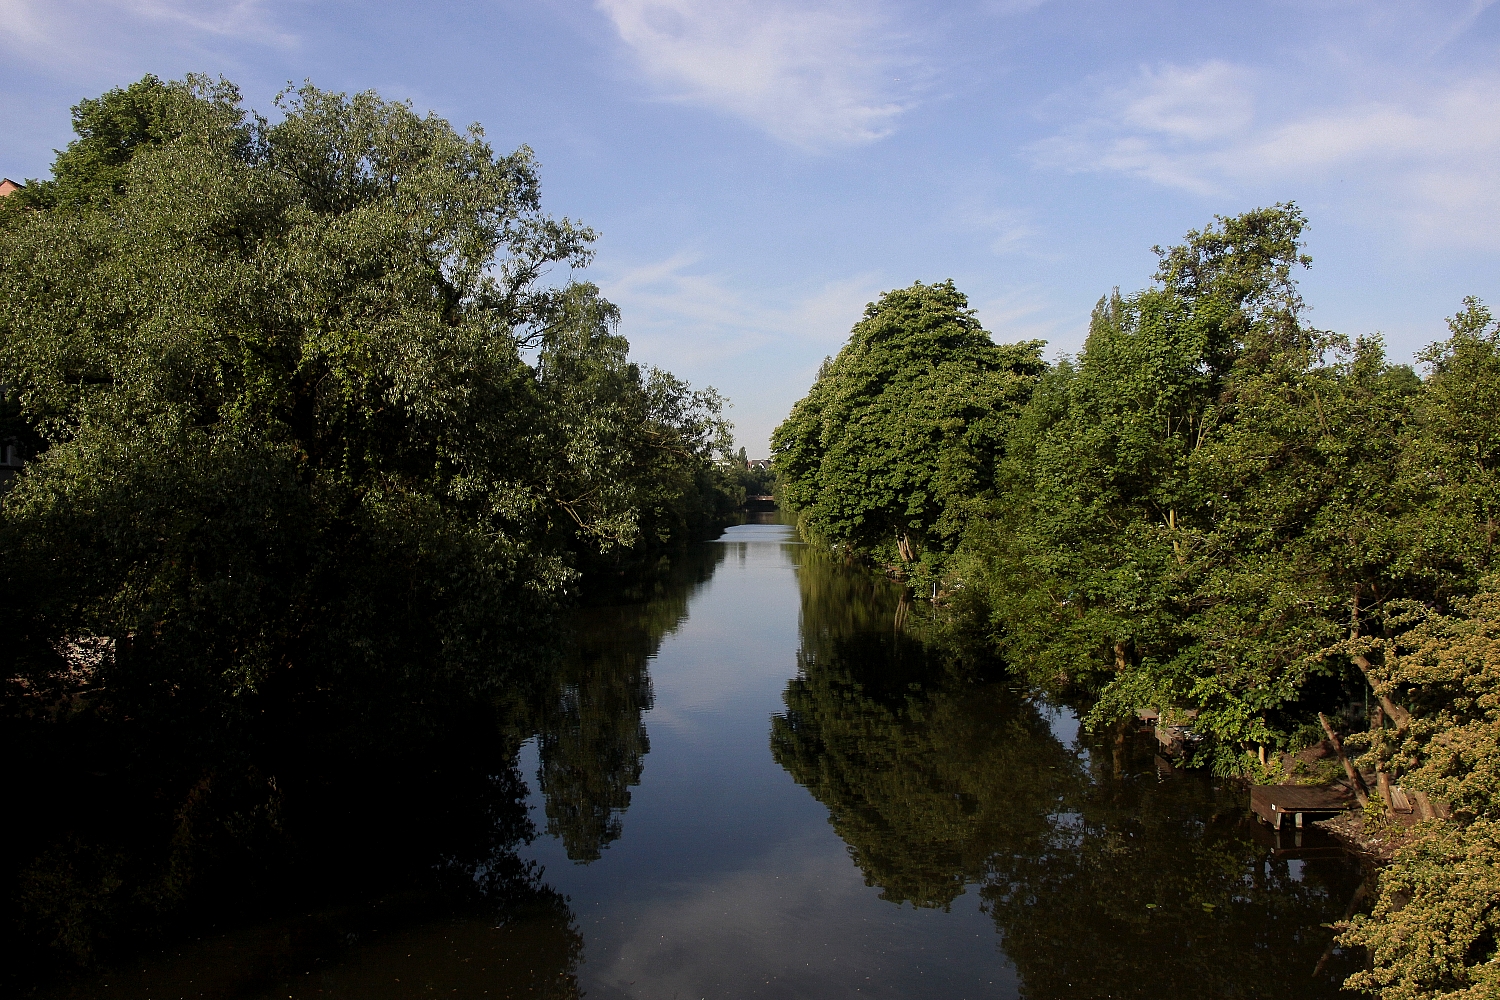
{"type": "Point", "coordinates": [1187, 511]}
{"type": "Point", "coordinates": [291, 435]}
{"type": "Point", "coordinates": [895, 445]}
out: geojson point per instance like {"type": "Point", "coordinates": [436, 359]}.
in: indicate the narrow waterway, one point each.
{"type": "Point", "coordinates": [760, 783]}
{"type": "Point", "coordinates": [826, 809]}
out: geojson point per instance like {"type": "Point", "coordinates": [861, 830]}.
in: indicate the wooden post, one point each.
{"type": "Point", "coordinates": [1360, 791]}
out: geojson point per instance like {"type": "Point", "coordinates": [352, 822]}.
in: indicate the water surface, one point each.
{"type": "Point", "coordinates": [760, 783]}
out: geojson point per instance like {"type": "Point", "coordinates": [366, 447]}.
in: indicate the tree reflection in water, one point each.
{"type": "Point", "coordinates": [389, 827]}
{"type": "Point", "coordinates": [400, 859]}
{"type": "Point", "coordinates": [590, 734]}
{"type": "Point", "coordinates": [1102, 878]}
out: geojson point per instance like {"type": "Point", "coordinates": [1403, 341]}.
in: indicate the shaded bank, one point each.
{"type": "Point", "coordinates": [395, 831]}
{"type": "Point", "coordinates": [1105, 875]}
{"type": "Point", "coordinates": [970, 838]}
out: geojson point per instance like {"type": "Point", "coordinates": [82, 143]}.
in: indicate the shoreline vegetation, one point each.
{"type": "Point", "coordinates": [317, 456]}
{"type": "Point", "coordinates": [317, 451]}
{"type": "Point", "coordinates": [1221, 517]}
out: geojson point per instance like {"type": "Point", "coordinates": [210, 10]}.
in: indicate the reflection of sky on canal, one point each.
{"type": "Point", "coordinates": [728, 878]}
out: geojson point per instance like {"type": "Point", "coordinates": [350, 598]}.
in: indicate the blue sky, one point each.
{"type": "Point", "coordinates": [758, 171]}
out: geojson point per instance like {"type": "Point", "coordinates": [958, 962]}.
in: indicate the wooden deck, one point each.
{"type": "Point", "coordinates": [1272, 803]}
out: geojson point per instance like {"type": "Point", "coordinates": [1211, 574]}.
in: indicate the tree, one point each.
{"type": "Point", "coordinates": [1187, 512]}
{"type": "Point", "coordinates": [318, 455]}
{"type": "Point", "coordinates": [112, 128]}
{"type": "Point", "coordinates": [1436, 923]}
{"type": "Point", "coordinates": [289, 426]}
{"type": "Point", "coordinates": [894, 446]}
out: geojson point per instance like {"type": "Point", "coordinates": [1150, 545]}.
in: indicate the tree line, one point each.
{"type": "Point", "coordinates": [1215, 510]}
{"type": "Point", "coordinates": [320, 438]}
{"type": "Point", "coordinates": [1104, 878]}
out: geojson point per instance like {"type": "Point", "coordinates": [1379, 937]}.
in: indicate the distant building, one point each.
{"type": "Point", "coordinates": [8, 186]}
{"type": "Point", "coordinates": [760, 463]}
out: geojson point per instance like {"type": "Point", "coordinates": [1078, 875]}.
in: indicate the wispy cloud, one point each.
{"type": "Point", "coordinates": [1031, 314]}
{"type": "Point", "coordinates": [761, 346]}
{"type": "Point", "coordinates": [79, 33]}
{"type": "Point", "coordinates": [23, 22]}
{"type": "Point", "coordinates": [813, 75]}
{"type": "Point", "coordinates": [1432, 148]}
{"type": "Point", "coordinates": [676, 312]}
{"type": "Point", "coordinates": [248, 20]}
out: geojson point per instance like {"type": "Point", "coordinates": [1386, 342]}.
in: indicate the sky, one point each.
{"type": "Point", "coordinates": [759, 170]}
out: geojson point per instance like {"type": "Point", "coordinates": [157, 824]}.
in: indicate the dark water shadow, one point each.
{"type": "Point", "coordinates": [352, 854]}
{"type": "Point", "coordinates": [1103, 875]}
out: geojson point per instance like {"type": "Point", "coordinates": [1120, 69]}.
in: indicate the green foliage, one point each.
{"type": "Point", "coordinates": [290, 435]}
{"type": "Point", "coordinates": [1434, 929]}
{"type": "Point", "coordinates": [894, 447]}
{"type": "Point", "coordinates": [94, 170]}
{"type": "Point", "coordinates": [1101, 878]}
{"type": "Point", "coordinates": [315, 457]}
{"type": "Point", "coordinates": [1196, 511]}
{"type": "Point", "coordinates": [1214, 508]}
{"type": "Point", "coordinates": [1220, 509]}
{"type": "Point", "coordinates": [755, 480]}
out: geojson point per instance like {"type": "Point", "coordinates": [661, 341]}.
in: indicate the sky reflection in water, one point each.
{"type": "Point", "coordinates": [757, 784]}
{"type": "Point", "coordinates": [957, 841]}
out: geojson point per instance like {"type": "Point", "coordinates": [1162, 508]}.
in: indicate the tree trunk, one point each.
{"type": "Point", "coordinates": [903, 546]}
{"type": "Point", "coordinates": [1400, 716]}
{"type": "Point", "coordinates": [1382, 779]}
{"type": "Point", "coordinates": [1358, 783]}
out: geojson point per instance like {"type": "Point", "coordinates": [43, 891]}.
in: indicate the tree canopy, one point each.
{"type": "Point", "coordinates": [319, 441]}
{"type": "Point", "coordinates": [894, 447]}
{"type": "Point", "coordinates": [1215, 511]}
{"type": "Point", "coordinates": [287, 424]}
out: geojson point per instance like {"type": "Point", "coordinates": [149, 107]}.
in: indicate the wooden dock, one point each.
{"type": "Point", "coordinates": [1272, 803]}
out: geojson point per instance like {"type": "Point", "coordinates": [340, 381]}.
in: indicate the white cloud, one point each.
{"type": "Point", "coordinates": [1209, 101]}
{"type": "Point", "coordinates": [760, 347]}
{"type": "Point", "coordinates": [810, 75]}
{"type": "Point", "coordinates": [1031, 314]}
{"type": "Point", "coordinates": [1428, 156]}
{"type": "Point", "coordinates": [19, 19]}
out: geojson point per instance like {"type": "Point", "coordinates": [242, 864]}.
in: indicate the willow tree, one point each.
{"type": "Point", "coordinates": [895, 445]}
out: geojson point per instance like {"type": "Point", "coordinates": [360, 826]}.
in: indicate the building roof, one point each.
{"type": "Point", "coordinates": [7, 186]}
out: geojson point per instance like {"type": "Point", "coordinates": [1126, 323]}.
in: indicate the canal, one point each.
{"type": "Point", "coordinates": [761, 783]}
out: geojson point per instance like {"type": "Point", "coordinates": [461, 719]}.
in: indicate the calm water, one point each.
{"type": "Point", "coordinates": [759, 784]}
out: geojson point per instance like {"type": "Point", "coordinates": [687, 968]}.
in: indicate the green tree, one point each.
{"type": "Point", "coordinates": [318, 455]}
{"type": "Point", "coordinates": [1102, 879]}
{"type": "Point", "coordinates": [894, 447]}
{"type": "Point", "coordinates": [292, 438]}
{"type": "Point", "coordinates": [1187, 513]}
{"type": "Point", "coordinates": [1435, 927]}
{"type": "Point", "coordinates": [93, 170]}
